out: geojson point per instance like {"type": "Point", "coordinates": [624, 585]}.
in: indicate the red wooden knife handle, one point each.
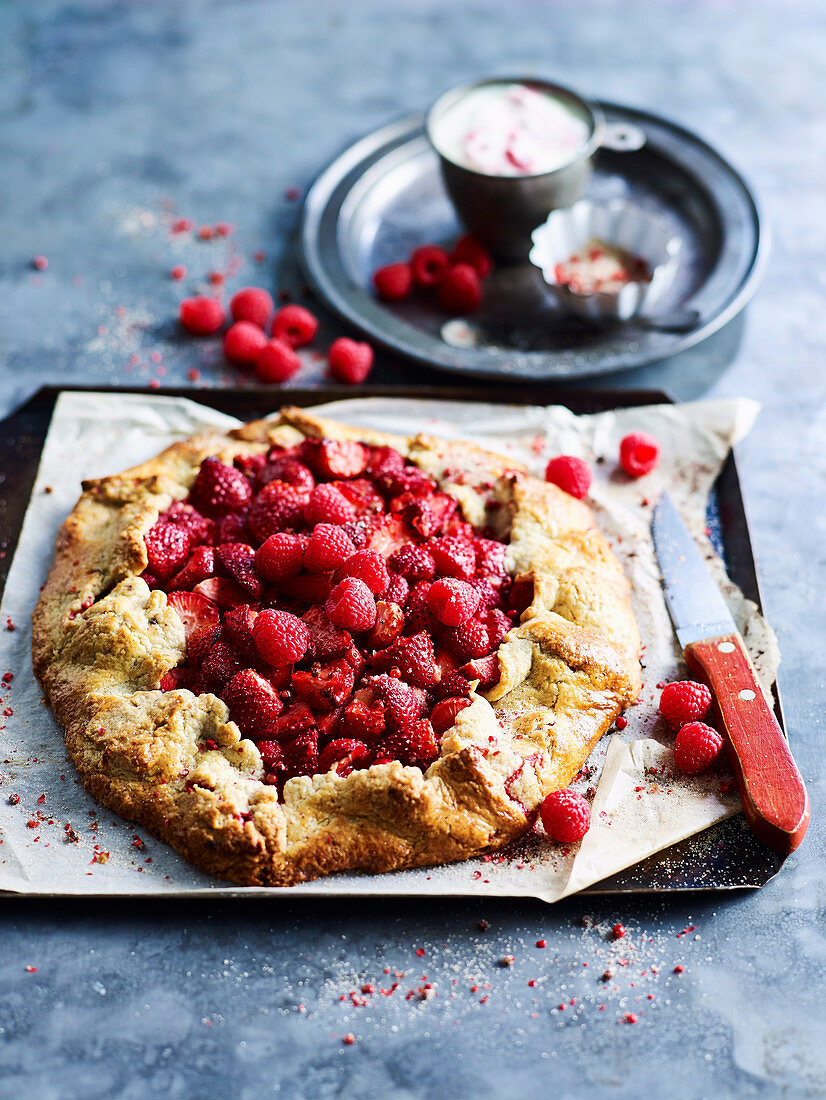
{"type": "Point", "coordinates": [773, 792]}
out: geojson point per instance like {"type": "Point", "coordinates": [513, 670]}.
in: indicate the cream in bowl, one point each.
{"type": "Point", "coordinates": [510, 129]}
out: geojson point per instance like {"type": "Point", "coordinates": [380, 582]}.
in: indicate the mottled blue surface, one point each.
{"type": "Point", "coordinates": [108, 109]}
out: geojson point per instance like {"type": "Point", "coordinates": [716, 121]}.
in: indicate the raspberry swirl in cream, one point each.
{"type": "Point", "coordinates": [510, 130]}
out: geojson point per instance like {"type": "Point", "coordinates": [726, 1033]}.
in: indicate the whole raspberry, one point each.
{"type": "Point", "coordinates": [428, 265]}
{"type": "Point", "coordinates": [237, 561]}
{"type": "Point", "coordinates": [243, 342]}
{"type": "Point", "coordinates": [327, 504]}
{"type": "Point", "coordinates": [253, 703]}
{"type": "Point", "coordinates": [281, 638]}
{"type": "Point", "coordinates": [468, 640]}
{"type": "Point", "coordinates": [184, 515]}
{"type": "Point", "coordinates": [697, 747]}
{"type": "Point", "coordinates": [638, 453]}
{"type": "Point", "coordinates": [327, 548]}
{"type": "Point", "coordinates": [566, 816]}
{"type": "Point", "coordinates": [368, 566]}
{"type": "Point", "coordinates": [178, 272]}
{"type": "Point", "coordinates": [460, 290]}
{"type": "Point", "coordinates": [454, 557]}
{"type": "Point", "coordinates": [286, 468]}
{"type": "Point", "coordinates": [276, 362]}
{"type": "Point", "coordinates": [444, 713]}
{"type": "Point", "coordinates": [393, 282]}
{"type": "Point", "coordinates": [344, 754]}
{"type": "Point", "coordinates": [219, 489]}
{"type": "Point", "coordinates": [402, 706]}
{"type": "Point", "coordinates": [684, 701]}
{"type": "Point", "coordinates": [201, 316]}
{"type": "Point", "coordinates": [294, 325]}
{"type": "Point", "coordinates": [253, 304]}
{"type": "Point", "coordinates": [413, 562]}
{"type": "Point", "coordinates": [280, 556]}
{"type": "Point", "coordinates": [351, 605]}
{"type": "Point", "coordinates": [468, 250]}
{"type": "Point", "coordinates": [452, 601]}
{"type": "Point", "coordinates": [571, 474]}
{"type": "Point", "coordinates": [414, 658]}
{"type": "Point", "coordinates": [276, 507]}
{"type": "Point", "coordinates": [350, 362]}
{"type": "Point", "coordinates": [397, 590]}
{"type": "Point", "coordinates": [167, 548]}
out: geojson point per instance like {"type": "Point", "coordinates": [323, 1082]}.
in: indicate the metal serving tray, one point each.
{"type": "Point", "coordinates": [725, 857]}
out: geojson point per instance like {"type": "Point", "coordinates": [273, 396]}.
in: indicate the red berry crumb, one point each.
{"type": "Point", "coordinates": [201, 316]}
{"type": "Point", "coordinates": [253, 304]}
{"type": "Point", "coordinates": [630, 1017]}
{"type": "Point", "coordinates": [638, 453]}
{"type": "Point", "coordinates": [276, 362]}
{"type": "Point", "coordinates": [697, 747]}
{"type": "Point", "coordinates": [243, 343]}
{"type": "Point", "coordinates": [684, 701]}
{"type": "Point", "coordinates": [40, 262]}
{"type": "Point", "coordinates": [618, 931]}
{"type": "Point", "coordinates": [428, 265]}
{"type": "Point", "coordinates": [621, 722]}
{"type": "Point", "coordinates": [349, 1039]}
{"type": "Point", "coordinates": [294, 325]}
{"type": "Point", "coordinates": [566, 816]}
{"type": "Point", "coordinates": [571, 474]}
{"type": "Point", "coordinates": [679, 968]}
{"type": "Point", "coordinates": [393, 282]}
{"type": "Point", "coordinates": [460, 290]}
{"type": "Point", "coordinates": [178, 272]}
{"type": "Point", "coordinates": [350, 362]}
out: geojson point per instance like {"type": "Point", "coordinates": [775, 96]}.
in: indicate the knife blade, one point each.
{"type": "Point", "coordinates": [774, 795]}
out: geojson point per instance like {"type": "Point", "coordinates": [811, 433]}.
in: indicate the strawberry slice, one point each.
{"type": "Point", "coordinates": [238, 560]}
{"type": "Point", "coordinates": [326, 640]}
{"type": "Point", "coordinates": [195, 610]}
{"type": "Point", "coordinates": [345, 754]}
{"type": "Point", "coordinates": [331, 459]}
{"type": "Point", "coordinates": [177, 678]}
{"type": "Point", "coordinates": [386, 535]}
{"type": "Point", "coordinates": [199, 567]}
{"type": "Point", "coordinates": [389, 625]}
{"type": "Point", "coordinates": [224, 592]}
{"type": "Point", "coordinates": [483, 669]}
{"type": "Point", "coordinates": [360, 719]}
{"type": "Point", "coordinates": [325, 686]}
{"type": "Point", "coordinates": [362, 495]}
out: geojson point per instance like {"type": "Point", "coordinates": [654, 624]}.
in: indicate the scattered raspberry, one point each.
{"type": "Point", "coordinates": [468, 250]}
{"type": "Point", "coordinates": [294, 325]}
{"type": "Point", "coordinates": [630, 1017]}
{"type": "Point", "coordinates": [252, 304]}
{"type": "Point", "coordinates": [566, 816]}
{"type": "Point", "coordinates": [368, 566]}
{"type": "Point", "coordinates": [216, 278]}
{"type": "Point", "coordinates": [243, 343]}
{"type": "Point", "coordinates": [327, 504]}
{"type": "Point", "coordinates": [167, 548]}
{"type": "Point", "coordinates": [460, 290]}
{"type": "Point", "coordinates": [182, 225]}
{"type": "Point", "coordinates": [684, 701]}
{"type": "Point", "coordinates": [414, 563]}
{"type": "Point", "coordinates": [178, 272]}
{"type": "Point", "coordinates": [328, 547]}
{"type": "Point", "coordinates": [280, 556]}
{"type": "Point", "coordinates": [206, 232]}
{"type": "Point", "coordinates": [351, 605]}
{"type": "Point", "coordinates": [679, 968]}
{"type": "Point", "coordinates": [253, 703]}
{"type": "Point", "coordinates": [281, 638]}
{"type": "Point", "coordinates": [201, 316]}
{"type": "Point", "coordinates": [219, 489]}
{"type": "Point", "coordinates": [276, 507]}
{"type": "Point", "coordinates": [276, 362]}
{"type": "Point", "coordinates": [638, 453]}
{"type": "Point", "coordinates": [428, 265]}
{"type": "Point", "coordinates": [444, 713]}
{"type": "Point", "coordinates": [571, 474]}
{"type": "Point", "coordinates": [393, 282]}
{"type": "Point", "coordinates": [350, 362]}
{"type": "Point", "coordinates": [452, 601]}
{"type": "Point", "coordinates": [697, 747]}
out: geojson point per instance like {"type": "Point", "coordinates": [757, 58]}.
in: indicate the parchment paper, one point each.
{"type": "Point", "coordinates": [54, 837]}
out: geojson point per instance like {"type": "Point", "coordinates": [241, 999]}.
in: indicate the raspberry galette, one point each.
{"type": "Point", "coordinates": [301, 648]}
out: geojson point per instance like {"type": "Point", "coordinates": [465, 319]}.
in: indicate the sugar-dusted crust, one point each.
{"type": "Point", "coordinates": [102, 640]}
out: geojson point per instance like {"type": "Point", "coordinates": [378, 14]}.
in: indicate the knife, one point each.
{"type": "Point", "coordinates": [772, 790]}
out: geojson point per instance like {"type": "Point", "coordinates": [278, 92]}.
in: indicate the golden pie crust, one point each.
{"type": "Point", "coordinates": [102, 640]}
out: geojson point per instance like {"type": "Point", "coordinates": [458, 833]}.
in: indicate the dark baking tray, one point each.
{"type": "Point", "coordinates": [725, 857]}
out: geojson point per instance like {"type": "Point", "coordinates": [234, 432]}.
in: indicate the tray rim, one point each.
{"type": "Point", "coordinates": [308, 397]}
{"type": "Point", "coordinates": [316, 203]}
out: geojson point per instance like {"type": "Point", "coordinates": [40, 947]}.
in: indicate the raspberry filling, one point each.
{"type": "Point", "coordinates": [335, 599]}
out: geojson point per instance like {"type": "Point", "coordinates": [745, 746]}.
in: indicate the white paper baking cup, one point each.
{"type": "Point", "coordinates": [619, 223]}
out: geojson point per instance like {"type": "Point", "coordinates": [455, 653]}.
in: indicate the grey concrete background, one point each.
{"type": "Point", "coordinates": [110, 110]}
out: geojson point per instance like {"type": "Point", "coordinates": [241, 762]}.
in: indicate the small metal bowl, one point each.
{"type": "Point", "coordinates": [619, 223]}
{"type": "Point", "coordinates": [502, 211]}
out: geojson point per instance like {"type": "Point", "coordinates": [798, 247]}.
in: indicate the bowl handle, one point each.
{"type": "Point", "coordinates": [622, 137]}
